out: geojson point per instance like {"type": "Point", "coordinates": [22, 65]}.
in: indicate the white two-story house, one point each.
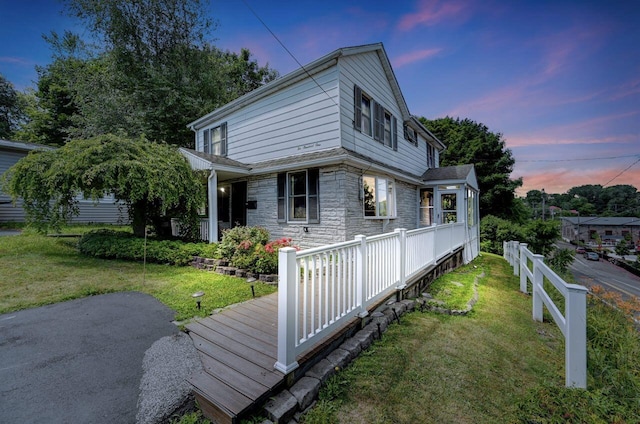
{"type": "Point", "coordinates": [327, 152]}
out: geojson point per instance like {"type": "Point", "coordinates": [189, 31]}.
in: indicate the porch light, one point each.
{"type": "Point", "coordinates": [197, 296]}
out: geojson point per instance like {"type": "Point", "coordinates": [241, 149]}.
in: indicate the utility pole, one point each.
{"type": "Point", "coordinates": [543, 204]}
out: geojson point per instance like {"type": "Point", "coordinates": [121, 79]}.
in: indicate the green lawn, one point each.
{"type": "Point", "coordinates": [38, 270]}
{"type": "Point", "coordinates": [434, 368]}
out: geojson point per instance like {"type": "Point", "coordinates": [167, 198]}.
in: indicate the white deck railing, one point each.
{"type": "Point", "coordinates": [573, 323]}
{"type": "Point", "coordinates": [204, 228]}
{"type": "Point", "coordinates": [322, 288]}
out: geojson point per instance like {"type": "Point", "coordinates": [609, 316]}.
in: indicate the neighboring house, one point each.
{"type": "Point", "coordinates": [105, 211]}
{"type": "Point", "coordinates": [610, 229]}
{"type": "Point", "coordinates": [328, 152]}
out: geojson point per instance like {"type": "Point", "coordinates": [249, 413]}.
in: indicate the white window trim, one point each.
{"type": "Point", "coordinates": [287, 218]}
{"type": "Point", "coordinates": [392, 193]}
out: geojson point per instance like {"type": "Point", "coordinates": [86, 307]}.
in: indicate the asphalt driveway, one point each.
{"type": "Point", "coordinates": [78, 361]}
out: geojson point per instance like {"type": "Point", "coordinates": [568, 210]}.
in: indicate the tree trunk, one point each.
{"type": "Point", "coordinates": [139, 218]}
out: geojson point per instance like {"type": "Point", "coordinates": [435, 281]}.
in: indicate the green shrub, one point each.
{"type": "Point", "coordinates": [267, 262]}
{"type": "Point", "coordinates": [232, 239]}
{"type": "Point", "coordinates": [111, 244]}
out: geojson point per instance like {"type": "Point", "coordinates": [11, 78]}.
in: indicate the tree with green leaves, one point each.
{"type": "Point", "coordinates": [10, 109]}
{"type": "Point", "coordinates": [472, 142]}
{"type": "Point", "coordinates": [154, 181]}
{"type": "Point", "coordinates": [150, 72]}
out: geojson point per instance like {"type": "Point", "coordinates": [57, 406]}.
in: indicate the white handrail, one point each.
{"type": "Point", "coordinates": [573, 323]}
{"type": "Point", "coordinates": [321, 288]}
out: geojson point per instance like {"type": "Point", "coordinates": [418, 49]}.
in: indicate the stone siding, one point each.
{"type": "Point", "coordinates": [341, 209]}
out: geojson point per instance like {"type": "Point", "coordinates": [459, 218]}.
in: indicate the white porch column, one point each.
{"type": "Point", "coordinates": [212, 188]}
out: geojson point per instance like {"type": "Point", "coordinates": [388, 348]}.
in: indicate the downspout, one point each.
{"type": "Point", "coordinates": [212, 188]}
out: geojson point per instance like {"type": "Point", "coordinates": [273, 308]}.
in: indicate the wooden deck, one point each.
{"type": "Point", "coordinates": [238, 348]}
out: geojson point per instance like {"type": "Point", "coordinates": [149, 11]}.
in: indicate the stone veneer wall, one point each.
{"type": "Point", "coordinates": [406, 208]}
{"type": "Point", "coordinates": [331, 228]}
{"type": "Point", "coordinates": [341, 209]}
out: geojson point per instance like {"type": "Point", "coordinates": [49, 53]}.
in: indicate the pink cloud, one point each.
{"type": "Point", "coordinates": [414, 56]}
{"type": "Point", "coordinates": [432, 12]}
{"type": "Point", "coordinates": [571, 133]}
{"type": "Point", "coordinates": [562, 180]}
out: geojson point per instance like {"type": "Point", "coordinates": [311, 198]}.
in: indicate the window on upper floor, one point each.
{"type": "Point", "coordinates": [298, 196]}
{"type": "Point", "coordinates": [431, 156]}
{"type": "Point", "coordinates": [379, 197]}
{"type": "Point", "coordinates": [366, 115]}
{"type": "Point", "coordinates": [215, 140]}
{"type": "Point", "coordinates": [372, 119]}
{"type": "Point", "coordinates": [411, 135]}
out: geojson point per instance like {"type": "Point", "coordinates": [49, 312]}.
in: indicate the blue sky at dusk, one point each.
{"type": "Point", "coordinates": [559, 79]}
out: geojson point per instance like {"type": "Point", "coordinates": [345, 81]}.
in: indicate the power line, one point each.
{"type": "Point", "coordinates": [623, 171]}
{"type": "Point", "coordinates": [288, 51]}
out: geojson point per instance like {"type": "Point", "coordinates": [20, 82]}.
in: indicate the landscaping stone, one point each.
{"type": "Point", "coordinates": [409, 304]}
{"type": "Point", "coordinates": [281, 408]}
{"type": "Point", "coordinates": [353, 347]}
{"type": "Point", "coordinates": [364, 337]}
{"type": "Point", "coordinates": [305, 391]}
{"type": "Point", "coordinates": [322, 371]}
{"type": "Point", "coordinates": [339, 358]}
{"type": "Point", "coordinates": [268, 278]}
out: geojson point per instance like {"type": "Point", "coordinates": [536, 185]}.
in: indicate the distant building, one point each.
{"type": "Point", "coordinates": [104, 211]}
{"type": "Point", "coordinates": [610, 229]}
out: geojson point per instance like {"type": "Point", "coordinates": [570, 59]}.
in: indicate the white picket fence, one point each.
{"type": "Point", "coordinates": [573, 322]}
{"type": "Point", "coordinates": [320, 289]}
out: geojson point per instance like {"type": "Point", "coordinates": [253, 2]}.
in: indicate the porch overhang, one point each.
{"type": "Point", "coordinates": [225, 168]}
{"type": "Point", "coordinates": [450, 175]}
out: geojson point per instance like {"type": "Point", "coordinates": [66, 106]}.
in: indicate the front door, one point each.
{"type": "Point", "coordinates": [449, 206]}
{"type": "Point", "coordinates": [239, 204]}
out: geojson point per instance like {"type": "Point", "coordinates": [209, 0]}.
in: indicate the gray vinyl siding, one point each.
{"type": "Point", "coordinates": [299, 118]}
{"type": "Point", "coordinates": [103, 212]}
{"type": "Point", "coordinates": [365, 70]}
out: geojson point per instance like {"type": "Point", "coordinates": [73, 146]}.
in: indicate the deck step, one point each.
{"type": "Point", "coordinates": [218, 401]}
{"type": "Point", "coordinates": [238, 352]}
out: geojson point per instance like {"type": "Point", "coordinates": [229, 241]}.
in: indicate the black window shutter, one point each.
{"type": "Point", "coordinates": [223, 139]}
{"type": "Point", "coordinates": [205, 141]}
{"type": "Point", "coordinates": [314, 196]}
{"type": "Point", "coordinates": [357, 106]}
{"type": "Point", "coordinates": [378, 121]}
{"type": "Point", "coordinates": [394, 133]}
{"type": "Point", "coordinates": [282, 179]}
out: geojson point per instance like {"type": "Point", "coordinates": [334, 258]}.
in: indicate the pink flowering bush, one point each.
{"type": "Point", "coordinates": [267, 262]}
{"type": "Point", "coordinates": [248, 248]}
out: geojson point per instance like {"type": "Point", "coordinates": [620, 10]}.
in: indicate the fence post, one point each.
{"type": "Point", "coordinates": [402, 257]}
{"type": "Point", "coordinates": [505, 253]}
{"type": "Point", "coordinates": [576, 337]}
{"type": "Point", "coordinates": [537, 287]}
{"type": "Point", "coordinates": [523, 265]}
{"type": "Point", "coordinates": [516, 257]}
{"type": "Point", "coordinates": [361, 275]}
{"type": "Point", "coordinates": [287, 316]}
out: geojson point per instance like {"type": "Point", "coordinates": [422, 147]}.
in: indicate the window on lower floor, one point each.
{"type": "Point", "coordinates": [379, 197]}
{"type": "Point", "coordinates": [471, 208]}
{"type": "Point", "coordinates": [298, 196]}
{"type": "Point", "coordinates": [426, 207]}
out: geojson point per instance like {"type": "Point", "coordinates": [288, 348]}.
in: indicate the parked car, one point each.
{"type": "Point", "coordinates": [580, 250]}
{"type": "Point", "coordinates": [592, 256]}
